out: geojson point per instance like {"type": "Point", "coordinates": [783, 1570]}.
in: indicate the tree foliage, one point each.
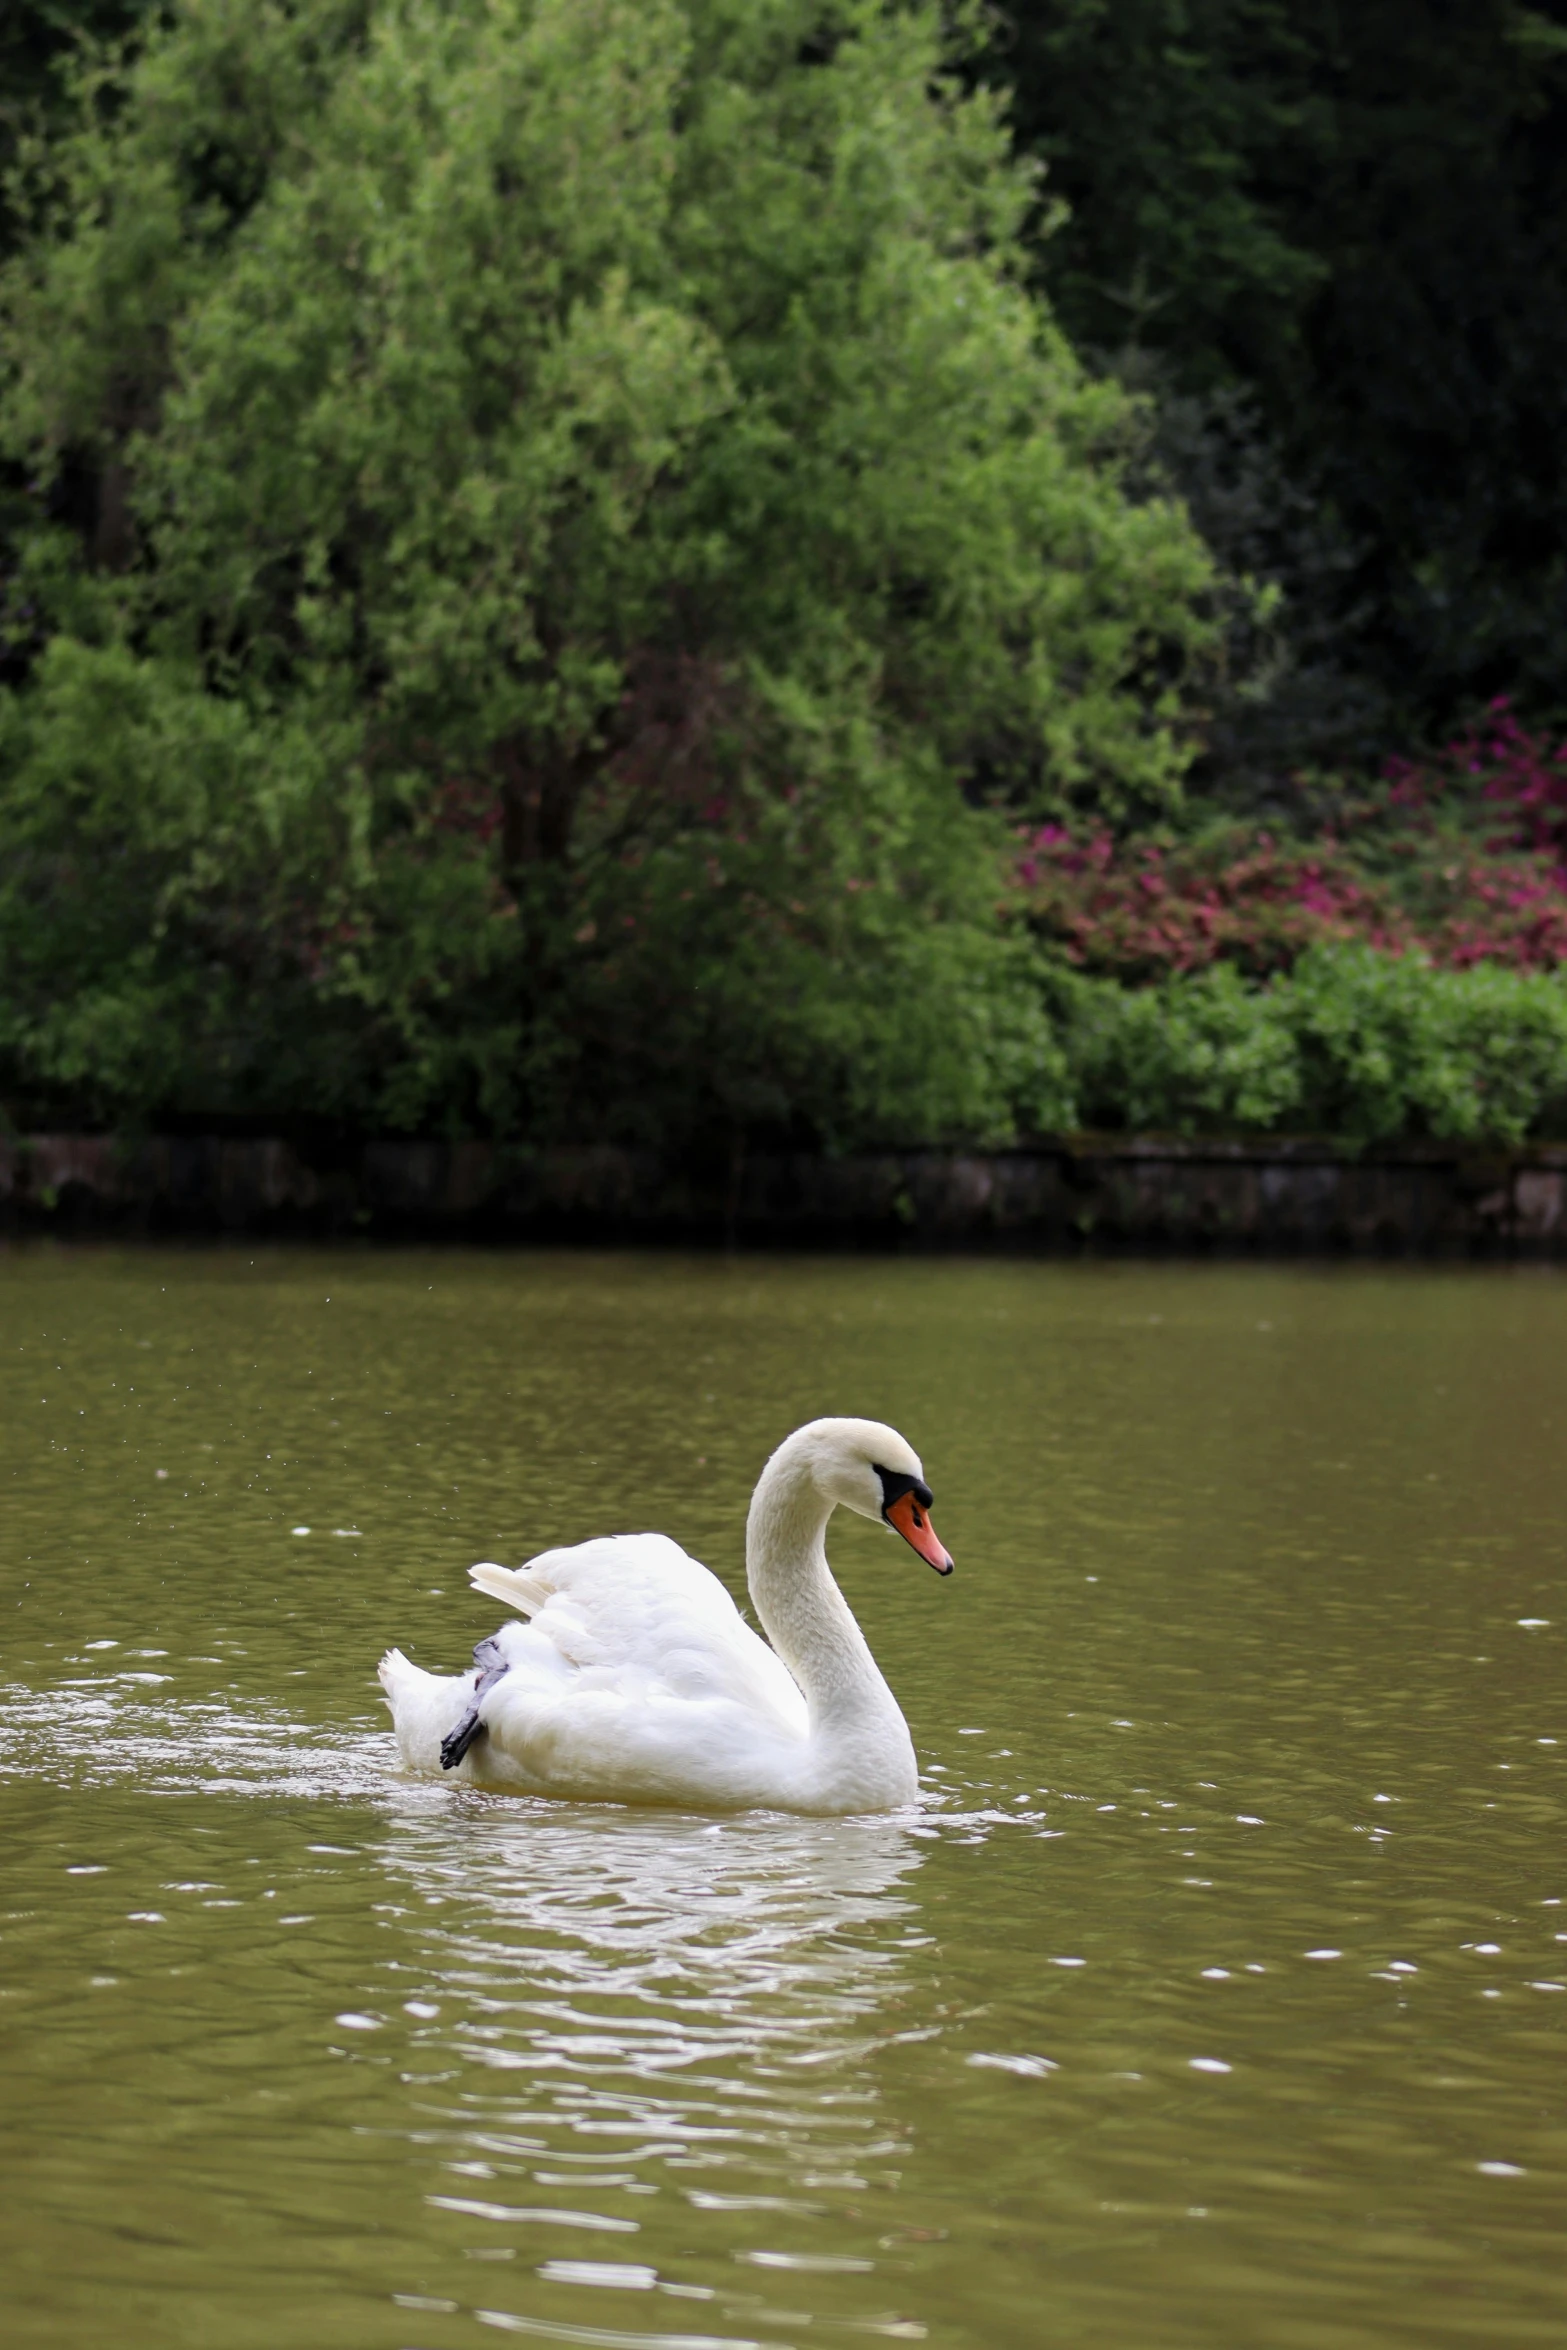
{"type": "Point", "coordinates": [36, 36]}
{"type": "Point", "coordinates": [553, 526]}
{"type": "Point", "coordinates": [1358, 218]}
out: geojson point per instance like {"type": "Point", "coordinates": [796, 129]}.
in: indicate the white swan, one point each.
{"type": "Point", "coordinates": [638, 1681]}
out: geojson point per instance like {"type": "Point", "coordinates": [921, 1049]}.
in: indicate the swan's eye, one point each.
{"type": "Point", "coordinates": [895, 1485]}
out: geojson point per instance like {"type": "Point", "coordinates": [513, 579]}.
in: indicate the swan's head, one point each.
{"type": "Point", "coordinates": [866, 1466]}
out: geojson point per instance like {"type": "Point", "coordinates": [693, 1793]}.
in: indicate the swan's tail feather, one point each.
{"type": "Point", "coordinates": [513, 1585]}
{"type": "Point", "coordinates": [393, 1668]}
{"type": "Point", "coordinates": [424, 1707]}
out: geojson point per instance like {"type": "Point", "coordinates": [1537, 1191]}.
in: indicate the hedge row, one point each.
{"type": "Point", "coordinates": [1352, 1042]}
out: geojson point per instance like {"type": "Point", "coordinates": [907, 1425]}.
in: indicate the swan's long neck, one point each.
{"type": "Point", "coordinates": [805, 1615]}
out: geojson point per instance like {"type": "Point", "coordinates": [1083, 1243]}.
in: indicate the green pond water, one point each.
{"type": "Point", "coordinates": [1214, 1996]}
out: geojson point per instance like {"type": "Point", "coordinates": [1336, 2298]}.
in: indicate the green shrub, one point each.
{"type": "Point", "coordinates": [1389, 1046]}
{"type": "Point", "coordinates": [1367, 1046]}
{"type": "Point", "coordinates": [1196, 1055]}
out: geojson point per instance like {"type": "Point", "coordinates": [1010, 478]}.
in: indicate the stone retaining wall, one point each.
{"type": "Point", "coordinates": [1093, 1191]}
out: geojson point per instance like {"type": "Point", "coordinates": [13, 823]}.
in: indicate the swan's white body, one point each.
{"type": "Point", "coordinates": [636, 1679]}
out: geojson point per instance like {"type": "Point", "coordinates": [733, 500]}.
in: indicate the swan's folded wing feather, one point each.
{"type": "Point", "coordinates": [634, 1609]}
{"type": "Point", "coordinates": [513, 1586]}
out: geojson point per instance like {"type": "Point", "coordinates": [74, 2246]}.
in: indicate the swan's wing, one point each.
{"type": "Point", "coordinates": [633, 1613]}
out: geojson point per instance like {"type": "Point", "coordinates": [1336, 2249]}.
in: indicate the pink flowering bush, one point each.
{"type": "Point", "coordinates": [1156, 905]}
{"type": "Point", "coordinates": [1461, 858]}
{"type": "Point", "coordinates": [1402, 973]}
{"type": "Point", "coordinates": [1517, 779]}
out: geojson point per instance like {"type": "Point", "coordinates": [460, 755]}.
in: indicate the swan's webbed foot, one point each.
{"type": "Point", "coordinates": [492, 1666]}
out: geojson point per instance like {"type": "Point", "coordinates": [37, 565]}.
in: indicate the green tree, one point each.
{"type": "Point", "coordinates": [1355, 216]}
{"type": "Point", "coordinates": [37, 39]}
{"type": "Point", "coordinates": [555, 526]}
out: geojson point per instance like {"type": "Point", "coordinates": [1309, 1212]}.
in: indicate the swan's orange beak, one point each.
{"type": "Point", "coordinates": [914, 1525]}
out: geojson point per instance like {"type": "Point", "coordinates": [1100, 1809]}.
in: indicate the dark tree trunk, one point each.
{"type": "Point", "coordinates": [539, 795]}
{"type": "Point", "coordinates": [114, 534]}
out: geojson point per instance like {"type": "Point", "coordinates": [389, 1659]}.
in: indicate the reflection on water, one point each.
{"type": "Point", "coordinates": [631, 1999]}
{"type": "Point", "coordinates": [1216, 1991]}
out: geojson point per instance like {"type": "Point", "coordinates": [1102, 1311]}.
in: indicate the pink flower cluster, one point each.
{"type": "Point", "coordinates": [1462, 857]}
{"type": "Point", "coordinates": [1145, 907]}
{"type": "Point", "coordinates": [1518, 774]}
